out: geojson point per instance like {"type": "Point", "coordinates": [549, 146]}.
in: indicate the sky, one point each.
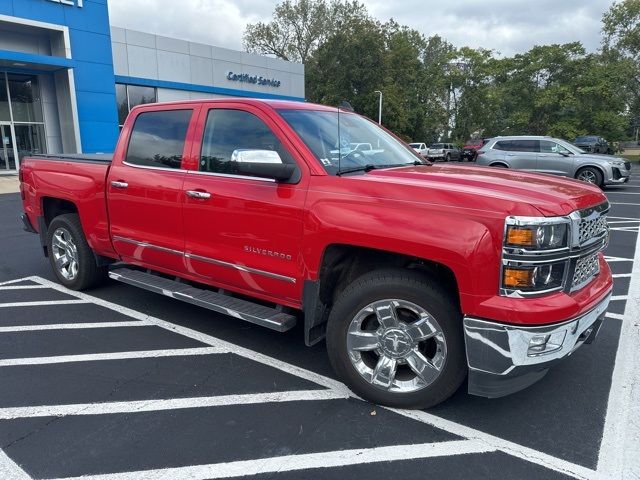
{"type": "Point", "coordinates": [506, 26]}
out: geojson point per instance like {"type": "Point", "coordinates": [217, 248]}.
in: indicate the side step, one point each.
{"type": "Point", "coordinates": [235, 307]}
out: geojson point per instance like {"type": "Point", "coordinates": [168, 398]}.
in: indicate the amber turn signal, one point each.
{"type": "Point", "coordinates": [520, 236]}
{"type": "Point", "coordinates": [517, 278]}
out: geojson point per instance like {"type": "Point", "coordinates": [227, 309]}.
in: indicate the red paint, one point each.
{"type": "Point", "coordinates": [453, 215]}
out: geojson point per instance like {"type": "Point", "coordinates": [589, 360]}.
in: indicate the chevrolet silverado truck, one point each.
{"type": "Point", "coordinates": [420, 277]}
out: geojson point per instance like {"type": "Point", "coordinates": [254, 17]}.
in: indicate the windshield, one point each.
{"type": "Point", "coordinates": [586, 139]}
{"type": "Point", "coordinates": [570, 146]}
{"type": "Point", "coordinates": [414, 145]}
{"type": "Point", "coordinates": [359, 142]}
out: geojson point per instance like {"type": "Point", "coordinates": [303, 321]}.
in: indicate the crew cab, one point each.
{"type": "Point", "coordinates": [418, 276]}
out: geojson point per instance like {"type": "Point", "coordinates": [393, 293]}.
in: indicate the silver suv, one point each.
{"type": "Point", "coordinates": [444, 151]}
{"type": "Point", "coordinates": [554, 156]}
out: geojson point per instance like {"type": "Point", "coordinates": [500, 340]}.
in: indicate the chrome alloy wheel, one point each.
{"type": "Point", "coordinates": [65, 253]}
{"type": "Point", "coordinates": [588, 176]}
{"type": "Point", "coordinates": [396, 345]}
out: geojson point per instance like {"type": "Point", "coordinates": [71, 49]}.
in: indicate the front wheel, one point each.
{"type": "Point", "coordinates": [447, 158]}
{"type": "Point", "coordinates": [590, 175]}
{"type": "Point", "coordinates": [71, 256]}
{"type": "Point", "coordinates": [395, 338]}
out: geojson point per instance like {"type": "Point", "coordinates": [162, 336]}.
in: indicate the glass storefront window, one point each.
{"type": "Point", "coordinates": [129, 96]}
{"type": "Point", "coordinates": [25, 98]}
{"type": "Point", "coordinates": [123, 103]}
{"type": "Point", "coordinates": [5, 113]}
{"type": "Point", "coordinates": [141, 95]}
{"type": "Point", "coordinates": [29, 139]}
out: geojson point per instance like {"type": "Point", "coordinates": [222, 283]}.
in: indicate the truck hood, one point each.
{"type": "Point", "coordinates": [493, 188]}
{"type": "Point", "coordinates": [598, 157]}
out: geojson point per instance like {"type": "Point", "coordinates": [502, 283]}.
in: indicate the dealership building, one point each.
{"type": "Point", "coordinates": [68, 78]}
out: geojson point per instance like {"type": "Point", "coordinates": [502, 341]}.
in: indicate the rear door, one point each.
{"type": "Point", "coordinates": [144, 189]}
{"type": "Point", "coordinates": [555, 159]}
{"type": "Point", "coordinates": [523, 154]}
{"type": "Point", "coordinates": [243, 233]}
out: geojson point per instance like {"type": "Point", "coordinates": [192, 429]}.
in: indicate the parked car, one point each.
{"type": "Point", "coordinates": [239, 207]}
{"type": "Point", "coordinates": [420, 148]}
{"type": "Point", "coordinates": [554, 156]}
{"type": "Point", "coordinates": [593, 144]}
{"type": "Point", "coordinates": [443, 151]}
{"type": "Point", "coordinates": [470, 149]}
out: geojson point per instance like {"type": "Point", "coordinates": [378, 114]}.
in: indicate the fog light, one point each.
{"type": "Point", "coordinates": [543, 344]}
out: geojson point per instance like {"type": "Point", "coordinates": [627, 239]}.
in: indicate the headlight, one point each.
{"type": "Point", "coordinates": [537, 237]}
{"type": "Point", "coordinates": [616, 162]}
{"type": "Point", "coordinates": [534, 278]}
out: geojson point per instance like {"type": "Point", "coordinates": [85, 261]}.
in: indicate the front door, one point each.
{"type": "Point", "coordinates": [555, 159]}
{"type": "Point", "coordinates": [243, 232]}
{"type": "Point", "coordinates": [8, 154]}
{"type": "Point", "coordinates": [145, 190]}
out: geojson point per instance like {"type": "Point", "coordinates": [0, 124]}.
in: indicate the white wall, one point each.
{"type": "Point", "coordinates": [143, 55]}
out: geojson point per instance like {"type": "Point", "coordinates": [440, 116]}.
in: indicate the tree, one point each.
{"type": "Point", "coordinates": [298, 27]}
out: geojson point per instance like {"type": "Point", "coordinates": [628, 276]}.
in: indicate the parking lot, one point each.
{"type": "Point", "coordinates": [121, 384]}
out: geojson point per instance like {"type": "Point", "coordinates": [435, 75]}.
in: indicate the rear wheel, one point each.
{"type": "Point", "coordinates": [395, 338]}
{"type": "Point", "coordinates": [590, 175]}
{"type": "Point", "coordinates": [71, 257]}
{"type": "Point", "coordinates": [498, 165]}
{"type": "Point", "coordinates": [447, 158]}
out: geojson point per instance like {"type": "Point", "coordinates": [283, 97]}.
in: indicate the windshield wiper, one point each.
{"type": "Point", "coordinates": [362, 168]}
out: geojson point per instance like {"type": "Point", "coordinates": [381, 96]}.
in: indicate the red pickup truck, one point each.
{"type": "Point", "coordinates": [418, 276]}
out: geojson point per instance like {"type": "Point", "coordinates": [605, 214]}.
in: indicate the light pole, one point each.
{"type": "Point", "coordinates": [379, 107]}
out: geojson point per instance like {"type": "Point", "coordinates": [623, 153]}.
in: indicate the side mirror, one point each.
{"type": "Point", "coordinates": [263, 163]}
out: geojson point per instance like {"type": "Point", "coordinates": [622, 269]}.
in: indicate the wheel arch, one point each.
{"type": "Point", "coordinates": [341, 264]}
{"type": "Point", "coordinates": [501, 164]}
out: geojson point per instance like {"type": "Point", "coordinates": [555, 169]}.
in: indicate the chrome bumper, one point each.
{"type": "Point", "coordinates": [503, 359]}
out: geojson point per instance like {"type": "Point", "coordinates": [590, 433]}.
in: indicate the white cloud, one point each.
{"type": "Point", "coordinates": [508, 26]}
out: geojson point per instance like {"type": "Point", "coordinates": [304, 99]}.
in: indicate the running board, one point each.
{"type": "Point", "coordinates": [225, 304]}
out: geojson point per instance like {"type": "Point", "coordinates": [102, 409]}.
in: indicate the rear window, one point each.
{"type": "Point", "coordinates": [518, 145]}
{"type": "Point", "coordinates": [157, 139]}
{"type": "Point", "coordinates": [586, 139]}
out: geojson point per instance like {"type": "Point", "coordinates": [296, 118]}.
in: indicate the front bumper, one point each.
{"type": "Point", "coordinates": [617, 175]}
{"type": "Point", "coordinates": [504, 359]}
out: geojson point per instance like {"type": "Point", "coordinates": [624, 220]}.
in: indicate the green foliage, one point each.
{"type": "Point", "coordinates": [433, 91]}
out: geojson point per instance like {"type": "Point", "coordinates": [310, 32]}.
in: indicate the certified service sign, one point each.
{"type": "Point", "coordinates": [71, 3]}
{"type": "Point", "coordinates": [255, 79]}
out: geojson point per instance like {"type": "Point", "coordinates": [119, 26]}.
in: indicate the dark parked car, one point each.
{"type": "Point", "coordinates": [593, 144]}
{"type": "Point", "coordinates": [470, 149]}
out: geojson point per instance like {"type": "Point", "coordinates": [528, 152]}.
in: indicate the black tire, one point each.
{"type": "Point", "coordinates": [447, 158]}
{"type": "Point", "coordinates": [498, 165]}
{"type": "Point", "coordinates": [88, 273]}
{"type": "Point", "coordinates": [590, 175]}
{"type": "Point", "coordinates": [413, 287]}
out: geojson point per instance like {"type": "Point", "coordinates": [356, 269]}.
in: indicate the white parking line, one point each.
{"type": "Point", "coordinates": [107, 408]}
{"type": "Point", "coordinates": [616, 316]}
{"type": "Point", "coordinates": [490, 441]}
{"type": "Point", "coordinates": [622, 203]}
{"type": "Point", "coordinates": [623, 193]}
{"type": "Point", "coordinates": [16, 280]}
{"type": "Point", "coordinates": [619, 455]}
{"type": "Point", "coordinates": [93, 357]}
{"type": "Point", "coordinates": [307, 461]}
{"type": "Point", "coordinates": [621, 275]}
{"type": "Point", "coordinates": [619, 297]}
{"type": "Point", "coordinates": [73, 326]}
{"type": "Point", "coordinates": [21, 287]}
{"type": "Point", "coordinates": [617, 259]}
{"type": "Point", "coordinates": [634, 219]}
{"type": "Point", "coordinates": [38, 304]}
{"type": "Point", "coordinates": [9, 470]}
{"type": "Point", "coordinates": [497, 443]}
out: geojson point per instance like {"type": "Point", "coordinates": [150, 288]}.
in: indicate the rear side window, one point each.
{"type": "Point", "coordinates": [158, 138]}
{"type": "Point", "coordinates": [525, 145]}
{"type": "Point", "coordinates": [504, 145]}
{"type": "Point", "coordinates": [230, 130]}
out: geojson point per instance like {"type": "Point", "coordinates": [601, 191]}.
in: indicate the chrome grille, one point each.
{"type": "Point", "coordinates": [589, 229]}
{"type": "Point", "coordinates": [586, 269]}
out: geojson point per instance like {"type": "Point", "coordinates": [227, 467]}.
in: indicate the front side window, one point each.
{"type": "Point", "coordinates": [547, 146]}
{"type": "Point", "coordinates": [158, 138]}
{"type": "Point", "coordinates": [347, 141]}
{"type": "Point", "coordinates": [228, 131]}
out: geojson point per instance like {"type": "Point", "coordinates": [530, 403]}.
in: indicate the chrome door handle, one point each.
{"type": "Point", "coordinates": [198, 194]}
{"type": "Point", "coordinates": [119, 184]}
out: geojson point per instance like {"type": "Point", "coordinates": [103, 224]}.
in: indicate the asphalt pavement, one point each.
{"type": "Point", "coordinates": [121, 384]}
